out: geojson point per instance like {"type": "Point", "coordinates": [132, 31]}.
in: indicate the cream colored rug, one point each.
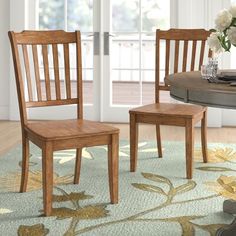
{"type": "Point", "coordinates": [155, 200]}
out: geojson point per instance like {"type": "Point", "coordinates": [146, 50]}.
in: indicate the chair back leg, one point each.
{"type": "Point", "coordinates": [24, 164]}
{"type": "Point", "coordinates": [158, 137]}
{"type": "Point", "coordinates": [77, 165]}
{"type": "Point", "coordinates": [189, 142]}
{"type": "Point", "coordinates": [204, 137]}
{"type": "Point", "coordinates": [133, 143]}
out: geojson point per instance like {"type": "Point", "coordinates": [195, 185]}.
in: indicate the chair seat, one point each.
{"type": "Point", "coordinates": [169, 110]}
{"type": "Point", "coordinates": [63, 129]}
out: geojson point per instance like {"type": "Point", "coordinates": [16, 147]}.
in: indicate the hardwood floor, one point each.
{"type": "Point", "coordinates": [10, 134]}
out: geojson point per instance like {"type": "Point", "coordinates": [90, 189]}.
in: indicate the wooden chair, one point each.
{"type": "Point", "coordinates": [169, 113]}
{"type": "Point", "coordinates": [56, 135]}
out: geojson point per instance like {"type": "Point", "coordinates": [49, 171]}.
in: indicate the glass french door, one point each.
{"type": "Point", "coordinates": [118, 51]}
{"type": "Point", "coordinates": [129, 58]}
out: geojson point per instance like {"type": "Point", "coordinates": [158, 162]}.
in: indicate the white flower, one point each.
{"type": "Point", "coordinates": [232, 10]}
{"type": "Point", "coordinates": [223, 20]}
{"type": "Point", "coordinates": [214, 42]}
{"type": "Point", "coordinates": [232, 34]}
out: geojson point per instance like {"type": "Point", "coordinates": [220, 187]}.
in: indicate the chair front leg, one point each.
{"type": "Point", "coordinates": [133, 127]}
{"type": "Point", "coordinates": [189, 142]}
{"type": "Point", "coordinates": [158, 136]}
{"type": "Point", "coordinates": [47, 166]}
{"type": "Point", "coordinates": [77, 165]}
{"type": "Point", "coordinates": [113, 166]}
{"type": "Point", "coordinates": [204, 137]}
{"type": "Point", "coordinates": [24, 164]}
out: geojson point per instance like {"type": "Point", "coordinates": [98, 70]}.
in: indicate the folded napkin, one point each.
{"type": "Point", "coordinates": [227, 75]}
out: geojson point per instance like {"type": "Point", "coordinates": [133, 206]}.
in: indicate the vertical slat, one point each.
{"type": "Point", "coordinates": [46, 71]}
{"type": "Point", "coordinates": [79, 77]}
{"type": "Point", "coordinates": [27, 71]}
{"type": "Point", "coordinates": [157, 70]}
{"type": "Point", "coordinates": [167, 66]}
{"type": "Point", "coordinates": [193, 54]}
{"type": "Point", "coordinates": [36, 72]}
{"type": "Point", "coordinates": [176, 62]}
{"type": "Point", "coordinates": [201, 54]}
{"type": "Point", "coordinates": [67, 70]}
{"type": "Point", "coordinates": [185, 56]}
{"type": "Point", "coordinates": [56, 71]}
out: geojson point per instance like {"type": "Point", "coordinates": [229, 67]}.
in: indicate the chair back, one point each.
{"type": "Point", "coordinates": [184, 50]}
{"type": "Point", "coordinates": [47, 65]}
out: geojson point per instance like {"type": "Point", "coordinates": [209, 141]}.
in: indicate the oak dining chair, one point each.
{"type": "Point", "coordinates": [47, 84]}
{"type": "Point", "coordinates": [181, 54]}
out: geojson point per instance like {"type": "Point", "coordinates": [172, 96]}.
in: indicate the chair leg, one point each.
{"type": "Point", "coordinates": [204, 137]}
{"type": "Point", "coordinates": [158, 135]}
{"type": "Point", "coordinates": [189, 142]}
{"type": "Point", "coordinates": [133, 143]}
{"type": "Point", "coordinates": [25, 164]}
{"type": "Point", "coordinates": [113, 166]}
{"type": "Point", "coordinates": [47, 164]}
{"type": "Point", "coordinates": [77, 165]}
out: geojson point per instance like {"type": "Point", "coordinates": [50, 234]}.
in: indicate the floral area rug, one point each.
{"type": "Point", "coordinates": [155, 200]}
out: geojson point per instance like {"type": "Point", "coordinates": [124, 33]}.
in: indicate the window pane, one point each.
{"type": "Point", "coordinates": [155, 14]}
{"type": "Point", "coordinates": [80, 15]}
{"type": "Point", "coordinates": [51, 14]}
{"type": "Point", "coordinates": [125, 15]}
{"type": "Point", "coordinates": [125, 52]}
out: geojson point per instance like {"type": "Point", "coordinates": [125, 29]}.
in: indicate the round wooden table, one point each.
{"type": "Point", "coordinates": [189, 87]}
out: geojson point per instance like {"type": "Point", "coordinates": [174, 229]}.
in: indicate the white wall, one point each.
{"type": "Point", "coordinates": [4, 59]}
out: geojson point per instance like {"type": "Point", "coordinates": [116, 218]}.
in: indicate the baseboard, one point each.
{"type": "Point", "coordinates": [4, 112]}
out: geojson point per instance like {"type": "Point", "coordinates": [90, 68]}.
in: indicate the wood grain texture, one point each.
{"type": "Point", "coordinates": [36, 71]}
{"type": "Point", "coordinates": [56, 71]}
{"type": "Point", "coordinates": [172, 114]}
{"type": "Point", "coordinates": [11, 134]}
{"type": "Point", "coordinates": [51, 136]}
{"type": "Point", "coordinates": [189, 145]}
{"type": "Point", "coordinates": [77, 165]}
{"type": "Point", "coordinates": [25, 164]}
{"type": "Point", "coordinates": [27, 72]}
{"type": "Point", "coordinates": [158, 138]}
{"type": "Point", "coordinates": [46, 71]}
{"type": "Point", "coordinates": [67, 70]}
{"type": "Point", "coordinates": [47, 171]}
{"type": "Point", "coordinates": [113, 167]}
{"type": "Point", "coordinates": [133, 142]}
{"type": "Point", "coordinates": [204, 137]}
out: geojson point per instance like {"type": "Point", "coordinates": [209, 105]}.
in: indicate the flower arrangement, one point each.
{"type": "Point", "coordinates": [224, 35]}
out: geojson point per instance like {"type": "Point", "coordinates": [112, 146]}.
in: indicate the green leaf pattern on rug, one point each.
{"type": "Point", "coordinates": [83, 213]}
{"type": "Point", "coordinates": [225, 186]}
{"type": "Point", "coordinates": [186, 225]}
{"type": "Point", "coordinates": [214, 169]}
{"type": "Point", "coordinates": [71, 197]}
{"type": "Point", "coordinates": [89, 212]}
{"type": "Point", "coordinates": [149, 188]}
{"type": "Point", "coordinates": [11, 182]}
{"type": "Point", "coordinates": [217, 155]}
{"type": "Point", "coordinates": [35, 230]}
{"type": "Point", "coordinates": [185, 187]}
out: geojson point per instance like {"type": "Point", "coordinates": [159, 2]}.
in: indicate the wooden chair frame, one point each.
{"type": "Point", "coordinates": [77, 133]}
{"type": "Point", "coordinates": [173, 114]}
